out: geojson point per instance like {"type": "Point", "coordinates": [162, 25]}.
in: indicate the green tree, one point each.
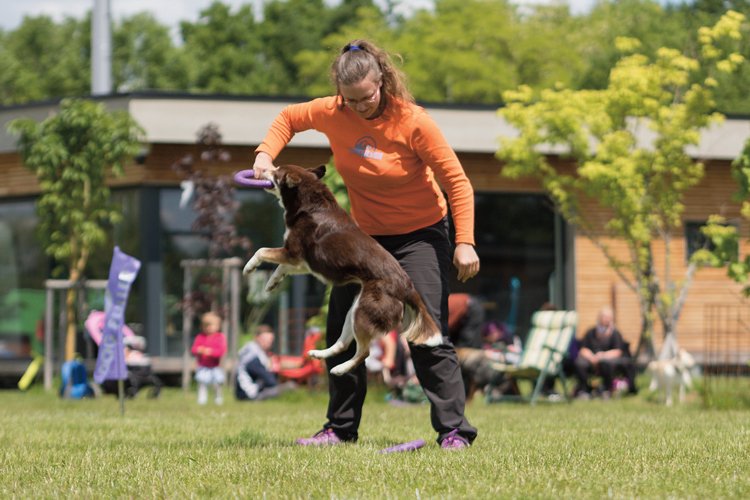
{"type": "Point", "coordinates": [42, 59]}
{"type": "Point", "coordinates": [144, 56]}
{"type": "Point", "coordinates": [289, 27]}
{"type": "Point", "coordinates": [644, 20]}
{"type": "Point", "coordinates": [731, 95]}
{"type": "Point", "coordinates": [642, 186]}
{"type": "Point", "coordinates": [725, 237]}
{"type": "Point", "coordinates": [225, 51]}
{"type": "Point", "coordinates": [461, 52]}
{"type": "Point", "coordinates": [547, 50]}
{"type": "Point", "coordinates": [71, 154]}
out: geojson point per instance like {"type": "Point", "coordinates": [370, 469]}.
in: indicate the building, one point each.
{"type": "Point", "coordinates": [518, 234]}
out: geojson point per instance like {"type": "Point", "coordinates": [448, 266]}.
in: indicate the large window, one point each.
{"type": "Point", "coordinates": [23, 269]}
{"type": "Point", "coordinates": [258, 218]}
{"type": "Point", "coordinates": [22, 260]}
{"type": "Point", "coordinates": [515, 237]}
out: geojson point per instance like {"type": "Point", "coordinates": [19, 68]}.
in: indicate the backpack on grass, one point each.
{"type": "Point", "coordinates": [75, 384]}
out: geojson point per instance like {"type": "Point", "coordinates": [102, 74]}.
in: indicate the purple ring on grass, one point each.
{"type": "Point", "coordinates": [246, 178]}
{"type": "Point", "coordinates": [409, 446]}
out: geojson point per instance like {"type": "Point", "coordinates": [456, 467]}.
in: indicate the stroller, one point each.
{"type": "Point", "coordinates": [138, 363]}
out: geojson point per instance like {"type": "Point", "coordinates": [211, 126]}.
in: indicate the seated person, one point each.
{"type": "Point", "coordinates": [465, 320]}
{"type": "Point", "coordinates": [255, 379]}
{"type": "Point", "coordinates": [603, 352]}
{"type": "Point", "coordinates": [500, 344]}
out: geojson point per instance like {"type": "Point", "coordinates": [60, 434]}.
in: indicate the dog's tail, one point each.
{"type": "Point", "coordinates": [418, 326]}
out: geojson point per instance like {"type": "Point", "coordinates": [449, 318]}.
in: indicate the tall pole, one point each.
{"type": "Point", "coordinates": [101, 49]}
{"type": "Point", "coordinates": [187, 322]}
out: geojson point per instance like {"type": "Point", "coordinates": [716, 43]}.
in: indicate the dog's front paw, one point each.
{"type": "Point", "coordinates": [251, 265]}
{"type": "Point", "coordinates": [274, 282]}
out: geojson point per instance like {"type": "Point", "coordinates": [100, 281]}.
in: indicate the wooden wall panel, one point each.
{"type": "Point", "coordinates": [597, 285]}
{"type": "Point", "coordinates": [15, 179]}
{"type": "Point", "coordinates": [484, 171]}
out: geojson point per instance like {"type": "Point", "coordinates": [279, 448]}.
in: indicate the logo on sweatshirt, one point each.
{"type": "Point", "coordinates": [366, 148]}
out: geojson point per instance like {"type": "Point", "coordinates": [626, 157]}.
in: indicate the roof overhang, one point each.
{"type": "Point", "coordinates": [244, 121]}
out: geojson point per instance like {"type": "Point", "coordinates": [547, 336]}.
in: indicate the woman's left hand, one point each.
{"type": "Point", "coordinates": [466, 260]}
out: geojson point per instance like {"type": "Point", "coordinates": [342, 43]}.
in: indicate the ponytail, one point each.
{"type": "Point", "coordinates": [360, 57]}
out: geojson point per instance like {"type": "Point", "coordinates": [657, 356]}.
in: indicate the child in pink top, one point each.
{"type": "Point", "coordinates": [208, 348]}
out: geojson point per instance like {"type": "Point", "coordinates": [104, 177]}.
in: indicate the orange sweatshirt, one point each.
{"type": "Point", "coordinates": [389, 165]}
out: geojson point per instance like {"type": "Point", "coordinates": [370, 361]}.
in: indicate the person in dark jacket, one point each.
{"type": "Point", "coordinates": [605, 353]}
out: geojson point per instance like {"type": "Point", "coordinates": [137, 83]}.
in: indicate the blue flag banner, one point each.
{"type": "Point", "coordinates": [110, 362]}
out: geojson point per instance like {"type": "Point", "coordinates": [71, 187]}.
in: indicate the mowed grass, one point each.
{"type": "Point", "coordinates": [172, 448]}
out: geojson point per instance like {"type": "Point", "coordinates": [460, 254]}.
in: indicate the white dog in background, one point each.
{"type": "Point", "coordinates": [668, 374]}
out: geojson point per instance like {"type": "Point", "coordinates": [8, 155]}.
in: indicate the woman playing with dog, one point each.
{"type": "Point", "coordinates": [391, 155]}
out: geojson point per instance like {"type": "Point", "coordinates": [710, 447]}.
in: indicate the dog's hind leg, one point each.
{"type": "Point", "coordinates": [653, 370]}
{"type": "Point", "coordinates": [685, 380]}
{"type": "Point", "coordinates": [363, 350]}
{"type": "Point", "coordinates": [342, 344]}
{"type": "Point", "coordinates": [670, 377]}
{"type": "Point", "coordinates": [365, 327]}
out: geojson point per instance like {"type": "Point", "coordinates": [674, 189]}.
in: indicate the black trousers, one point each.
{"type": "Point", "coordinates": [607, 370]}
{"type": "Point", "coordinates": [425, 255]}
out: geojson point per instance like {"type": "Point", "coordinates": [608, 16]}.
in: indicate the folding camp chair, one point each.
{"type": "Point", "coordinates": [546, 345]}
{"type": "Point", "coordinates": [303, 368]}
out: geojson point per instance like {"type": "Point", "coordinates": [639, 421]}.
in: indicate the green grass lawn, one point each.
{"type": "Point", "coordinates": [172, 448]}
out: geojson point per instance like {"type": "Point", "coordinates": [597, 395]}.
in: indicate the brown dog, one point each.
{"type": "Point", "coordinates": [322, 239]}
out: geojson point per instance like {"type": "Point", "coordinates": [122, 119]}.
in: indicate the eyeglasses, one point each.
{"type": "Point", "coordinates": [353, 103]}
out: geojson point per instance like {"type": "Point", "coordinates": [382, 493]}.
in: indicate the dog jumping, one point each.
{"type": "Point", "coordinates": [668, 374]}
{"type": "Point", "coordinates": [321, 239]}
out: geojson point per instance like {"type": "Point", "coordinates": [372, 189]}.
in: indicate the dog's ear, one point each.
{"type": "Point", "coordinates": [292, 179]}
{"type": "Point", "coordinates": [319, 171]}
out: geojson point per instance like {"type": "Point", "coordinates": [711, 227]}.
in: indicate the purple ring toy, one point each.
{"type": "Point", "coordinates": [409, 446]}
{"type": "Point", "coordinates": [246, 178]}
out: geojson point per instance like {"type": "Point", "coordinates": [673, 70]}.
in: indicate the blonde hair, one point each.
{"type": "Point", "coordinates": [360, 57]}
{"type": "Point", "coordinates": [211, 318]}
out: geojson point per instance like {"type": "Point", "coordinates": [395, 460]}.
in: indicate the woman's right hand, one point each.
{"type": "Point", "coordinates": [263, 163]}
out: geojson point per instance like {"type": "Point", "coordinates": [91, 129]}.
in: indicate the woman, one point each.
{"type": "Point", "coordinates": [389, 152]}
